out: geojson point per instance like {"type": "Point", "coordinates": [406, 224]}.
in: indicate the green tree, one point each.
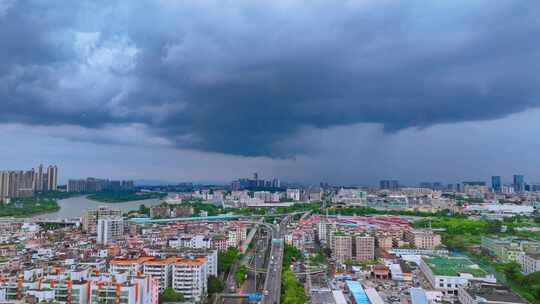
{"type": "Point", "coordinates": [290, 254]}
{"type": "Point", "coordinates": [240, 275]}
{"type": "Point", "coordinates": [292, 290]}
{"type": "Point", "coordinates": [214, 285]}
{"type": "Point", "coordinates": [226, 259]}
{"type": "Point", "coordinates": [170, 295]}
{"type": "Point", "coordinates": [494, 226]}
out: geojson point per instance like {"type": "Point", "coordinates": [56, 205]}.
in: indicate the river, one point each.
{"type": "Point", "coordinates": [72, 207]}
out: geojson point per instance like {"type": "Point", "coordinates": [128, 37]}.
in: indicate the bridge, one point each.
{"type": "Point", "coordinates": [221, 217]}
{"type": "Point", "coordinates": [252, 297]}
{"type": "Point", "coordinates": [314, 271]}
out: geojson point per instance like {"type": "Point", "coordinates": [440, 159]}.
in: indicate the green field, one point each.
{"type": "Point", "coordinates": [453, 266]}
{"type": "Point", "coordinates": [124, 196]}
{"type": "Point", "coordinates": [28, 206]}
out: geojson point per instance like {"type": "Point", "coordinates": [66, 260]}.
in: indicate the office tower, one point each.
{"type": "Point", "coordinates": [519, 183]}
{"type": "Point", "coordinates": [109, 228]}
{"type": "Point", "coordinates": [496, 184]}
{"type": "Point", "coordinates": [52, 178]}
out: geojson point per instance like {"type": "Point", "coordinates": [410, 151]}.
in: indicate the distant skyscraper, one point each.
{"type": "Point", "coordinates": [389, 184]}
{"type": "Point", "coordinates": [276, 183]}
{"type": "Point", "coordinates": [519, 183]}
{"type": "Point", "coordinates": [496, 183]}
{"type": "Point", "coordinates": [38, 179]}
{"type": "Point", "coordinates": [52, 178]}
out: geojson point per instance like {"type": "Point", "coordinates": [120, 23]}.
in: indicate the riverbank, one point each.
{"type": "Point", "coordinates": [124, 196]}
{"type": "Point", "coordinates": [29, 206]}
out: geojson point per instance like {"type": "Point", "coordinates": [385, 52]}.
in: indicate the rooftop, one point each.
{"type": "Point", "coordinates": [418, 296]}
{"type": "Point", "coordinates": [358, 292]}
{"type": "Point", "coordinates": [494, 292]}
{"type": "Point", "coordinates": [453, 266]}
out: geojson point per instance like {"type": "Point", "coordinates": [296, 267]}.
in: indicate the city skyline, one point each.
{"type": "Point", "coordinates": [386, 95]}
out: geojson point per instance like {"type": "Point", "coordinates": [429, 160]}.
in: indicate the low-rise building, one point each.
{"type": "Point", "coordinates": [446, 274]}
{"type": "Point", "coordinates": [507, 249]}
{"type": "Point", "coordinates": [422, 238]}
{"type": "Point", "coordinates": [530, 262]}
{"type": "Point", "coordinates": [484, 293]}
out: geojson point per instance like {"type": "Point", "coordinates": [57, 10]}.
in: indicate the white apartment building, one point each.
{"type": "Point", "coordinates": [293, 194]}
{"type": "Point", "coordinates": [105, 288]}
{"type": "Point", "coordinates": [160, 270]}
{"type": "Point", "coordinates": [530, 262]}
{"type": "Point", "coordinates": [192, 241]}
{"type": "Point", "coordinates": [109, 228]}
{"type": "Point", "coordinates": [123, 289]}
{"type": "Point", "coordinates": [322, 228]}
{"type": "Point", "coordinates": [189, 276]}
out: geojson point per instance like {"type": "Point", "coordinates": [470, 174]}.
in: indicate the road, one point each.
{"type": "Point", "coordinates": [272, 283]}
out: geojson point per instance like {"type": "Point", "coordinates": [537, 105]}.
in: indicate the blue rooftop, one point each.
{"type": "Point", "coordinates": [357, 292]}
{"type": "Point", "coordinates": [184, 219]}
{"type": "Point", "coordinates": [418, 296]}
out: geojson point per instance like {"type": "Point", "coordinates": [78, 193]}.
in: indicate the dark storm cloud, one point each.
{"type": "Point", "coordinates": [243, 77]}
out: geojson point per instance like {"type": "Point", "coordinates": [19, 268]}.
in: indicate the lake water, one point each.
{"type": "Point", "coordinates": [73, 206]}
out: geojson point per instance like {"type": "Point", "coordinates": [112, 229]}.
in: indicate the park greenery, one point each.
{"type": "Point", "coordinates": [170, 295]}
{"type": "Point", "coordinates": [57, 195]}
{"type": "Point", "coordinates": [28, 206]}
{"type": "Point", "coordinates": [373, 211]}
{"type": "Point", "coordinates": [292, 291]}
{"type": "Point", "coordinates": [464, 235]}
{"type": "Point", "coordinates": [124, 196]}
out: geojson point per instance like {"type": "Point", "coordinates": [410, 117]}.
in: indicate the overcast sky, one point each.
{"type": "Point", "coordinates": [210, 90]}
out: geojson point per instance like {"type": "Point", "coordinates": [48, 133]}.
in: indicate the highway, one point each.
{"type": "Point", "coordinates": [272, 283]}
